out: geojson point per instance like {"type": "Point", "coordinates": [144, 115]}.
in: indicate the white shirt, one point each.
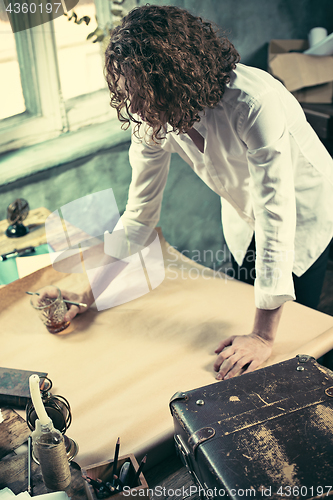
{"type": "Point", "coordinates": [271, 171]}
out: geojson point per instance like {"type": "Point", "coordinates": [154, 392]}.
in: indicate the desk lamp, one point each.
{"type": "Point", "coordinates": [58, 409]}
{"type": "Point", "coordinates": [17, 212]}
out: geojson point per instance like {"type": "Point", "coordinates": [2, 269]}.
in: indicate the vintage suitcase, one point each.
{"type": "Point", "coordinates": [268, 433]}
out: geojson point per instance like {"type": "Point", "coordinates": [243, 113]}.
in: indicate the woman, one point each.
{"type": "Point", "coordinates": [184, 90]}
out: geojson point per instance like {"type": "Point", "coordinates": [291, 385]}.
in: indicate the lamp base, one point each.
{"type": "Point", "coordinates": [72, 449]}
{"type": "Point", "coordinates": [16, 230]}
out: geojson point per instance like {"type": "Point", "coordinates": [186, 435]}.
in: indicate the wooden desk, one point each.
{"type": "Point", "coordinates": [119, 367]}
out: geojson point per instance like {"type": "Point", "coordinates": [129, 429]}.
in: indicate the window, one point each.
{"type": "Point", "coordinates": [79, 59]}
{"type": "Point", "coordinates": [52, 77]}
{"type": "Point", "coordinates": [11, 95]}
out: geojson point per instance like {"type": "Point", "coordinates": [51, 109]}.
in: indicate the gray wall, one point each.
{"type": "Point", "coordinates": [251, 24]}
{"type": "Point", "coordinates": [191, 212]}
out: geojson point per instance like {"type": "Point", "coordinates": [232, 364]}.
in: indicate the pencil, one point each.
{"type": "Point", "coordinates": [67, 301]}
{"type": "Point", "coordinates": [138, 472]}
{"type": "Point", "coordinates": [115, 459]}
{"type": "Point", "coordinates": [29, 489]}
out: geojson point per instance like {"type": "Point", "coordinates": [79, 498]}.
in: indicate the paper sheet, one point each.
{"type": "Point", "coordinates": [28, 265]}
{"type": "Point", "coordinates": [7, 494]}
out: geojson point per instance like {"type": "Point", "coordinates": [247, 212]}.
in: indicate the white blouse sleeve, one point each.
{"type": "Point", "coordinates": [263, 129]}
{"type": "Point", "coordinates": [150, 167]}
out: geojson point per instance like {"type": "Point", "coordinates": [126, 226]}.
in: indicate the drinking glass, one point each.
{"type": "Point", "coordinates": [51, 308]}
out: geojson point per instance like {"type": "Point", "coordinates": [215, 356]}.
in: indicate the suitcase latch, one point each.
{"type": "Point", "coordinates": [183, 451]}
{"type": "Point", "coordinates": [200, 436]}
{"type": "Point", "coordinates": [304, 358]}
{"type": "Point", "coordinates": [184, 456]}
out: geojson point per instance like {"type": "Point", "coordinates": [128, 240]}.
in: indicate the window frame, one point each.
{"type": "Point", "coordinates": [47, 115]}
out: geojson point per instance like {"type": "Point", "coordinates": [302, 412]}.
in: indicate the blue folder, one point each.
{"type": "Point", "coordinates": [8, 268]}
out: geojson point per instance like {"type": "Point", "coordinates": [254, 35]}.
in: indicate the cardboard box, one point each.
{"type": "Point", "coordinates": [309, 78]}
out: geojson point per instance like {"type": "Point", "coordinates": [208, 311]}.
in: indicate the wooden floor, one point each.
{"type": "Point", "coordinates": [170, 480]}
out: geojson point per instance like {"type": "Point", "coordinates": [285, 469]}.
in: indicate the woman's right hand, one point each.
{"type": "Point", "coordinates": [84, 298]}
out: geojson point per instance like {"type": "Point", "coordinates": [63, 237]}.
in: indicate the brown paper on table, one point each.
{"type": "Point", "coordinates": [119, 367]}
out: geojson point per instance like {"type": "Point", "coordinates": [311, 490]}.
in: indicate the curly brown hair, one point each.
{"type": "Point", "coordinates": [166, 65]}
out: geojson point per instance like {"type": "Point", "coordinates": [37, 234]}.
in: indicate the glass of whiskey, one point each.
{"type": "Point", "coordinates": [51, 308]}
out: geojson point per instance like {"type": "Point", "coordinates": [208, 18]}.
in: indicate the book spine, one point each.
{"type": "Point", "coordinates": [13, 401]}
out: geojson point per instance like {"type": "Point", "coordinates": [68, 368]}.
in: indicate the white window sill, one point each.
{"type": "Point", "coordinates": [64, 149]}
